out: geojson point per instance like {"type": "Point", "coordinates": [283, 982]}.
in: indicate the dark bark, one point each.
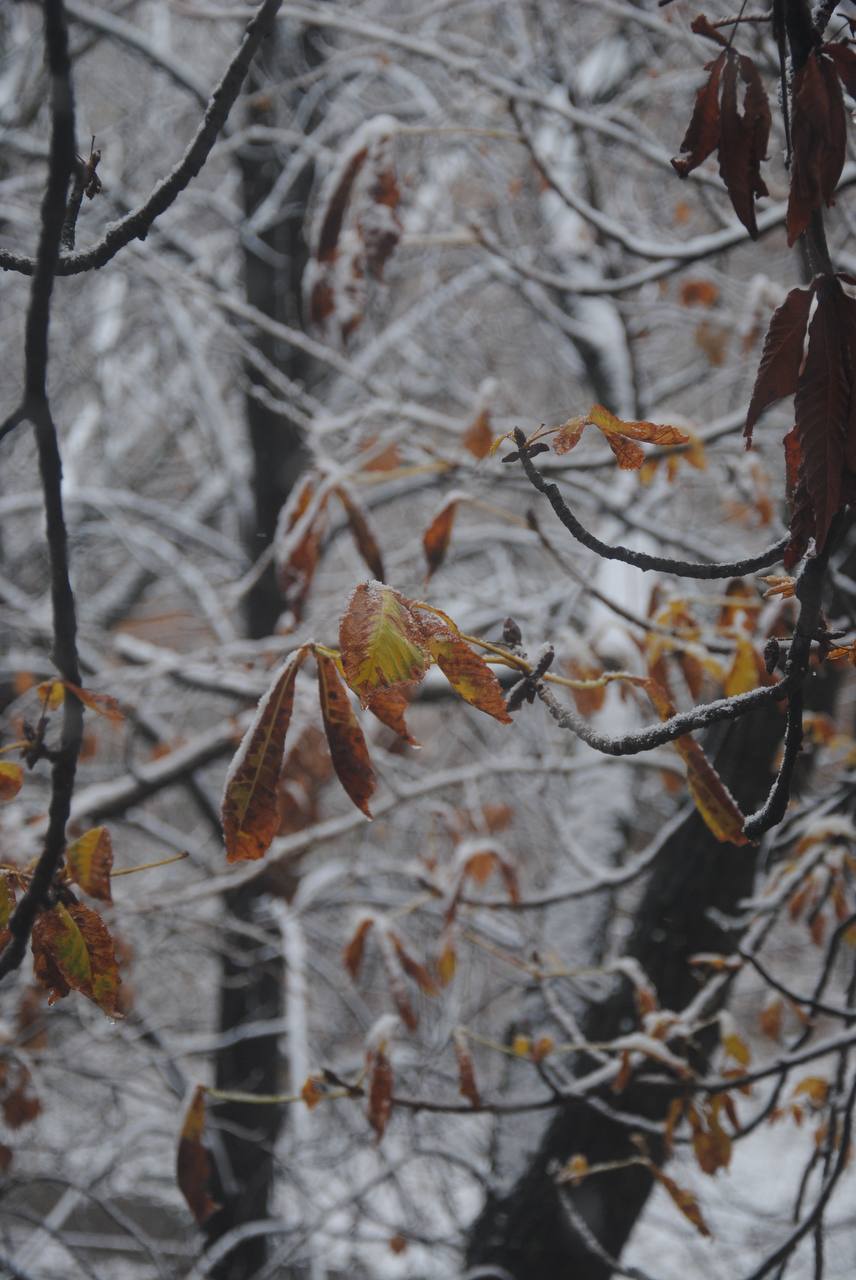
{"type": "Point", "coordinates": [528, 1232]}
{"type": "Point", "coordinates": [252, 975]}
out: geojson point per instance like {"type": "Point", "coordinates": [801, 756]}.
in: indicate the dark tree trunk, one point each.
{"type": "Point", "coordinates": [528, 1232]}
{"type": "Point", "coordinates": [252, 977]}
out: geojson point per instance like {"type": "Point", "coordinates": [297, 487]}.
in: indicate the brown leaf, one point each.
{"type": "Point", "coordinates": [73, 950]}
{"type": "Point", "coordinates": [348, 749]}
{"type": "Point", "coordinates": [336, 206]}
{"type": "Point", "coordinates": [249, 812]}
{"type": "Point", "coordinates": [630, 456]}
{"type": "Point", "coordinates": [389, 705]}
{"type": "Point", "coordinates": [297, 542]}
{"type": "Point", "coordinates": [361, 531]}
{"type": "Point", "coordinates": [818, 138]}
{"type": "Point", "coordinates": [778, 372]}
{"type": "Point", "coordinates": [569, 436]}
{"type": "Point", "coordinates": [467, 1086]}
{"type": "Point", "coordinates": [193, 1162]}
{"type": "Point", "coordinates": [844, 58]}
{"type": "Point", "coordinates": [53, 692]}
{"type": "Point", "coordinates": [435, 540]}
{"type": "Point", "coordinates": [702, 136]}
{"type": "Point", "coordinates": [380, 1091]}
{"type": "Point", "coordinates": [413, 968]}
{"type": "Point", "coordinates": [698, 293]}
{"type": "Point", "coordinates": [90, 860]}
{"type": "Point", "coordinates": [353, 953]}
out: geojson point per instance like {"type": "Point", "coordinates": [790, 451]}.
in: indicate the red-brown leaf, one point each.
{"type": "Point", "coordinates": [818, 138]}
{"type": "Point", "coordinates": [778, 372]}
{"type": "Point", "coordinates": [467, 1086]}
{"type": "Point", "coordinates": [844, 59]}
{"type": "Point", "coordinates": [348, 749]}
{"type": "Point", "coordinates": [380, 1092]}
{"type": "Point", "coordinates": [743, 139]}
{"type": "Point", "coordinates": [822, 407]}
{"type": "Point", "coordinates": [389, 705]}
{"type": "Point", "coordinates": [435, 540]}
{"type": "Point", "coordinates": [702, 135]}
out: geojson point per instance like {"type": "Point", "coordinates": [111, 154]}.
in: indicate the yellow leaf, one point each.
{"type": "Point", "coordinates": [745, 672]}
{"type": "Point", "coordinates": [11, 780]}
{"type": "Point", "coordinates": [521, 1046]}
{"type": "Point", "coordinates": [650, 432]}
{"type": "Point", "coordinates": [90, 860]}
{"type": "Point", "coordinates": [734, 1045]}
{"type": "Point", "coordinates": [381, 641]}
{"type": "Point", "coordinates": [815, 1088]}
{"type": "Point", "coordinates": [684, 1200]}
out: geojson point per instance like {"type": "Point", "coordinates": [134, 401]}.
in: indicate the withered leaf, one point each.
{"type": "Point", "coordinates": [467, 673]}
{"type": "Point", "coordinates": [781, 359]}
{"type": "Point", "coordinates": [380, 1091]}
{"type": "Point", "coordinates": [193, 1162]}
{"type": "Point", "coordinates": [435, 540]}
{"type": "Point", "coordinates": [467, 1086]}
{"type": "Point", "coordinates": [822, 406]}
{"type": "Point", "coordinates": [348, 749]}
{"type": "Point", "coordinates": [743, 138]}
{"type": "Point", "coordinates": [685, 1201]}
{"type": "Point", "coordinates": [389, 706]}
{"type": "Point", "coordinates": [713, 800]}
{"type": "Point", "coordinates": [361, 531]}
{"type": "Point", "coordinates": [702, 136]}
{"type": "Point", "coordinates": [249, 811]}
{"type": "Point", "coordinates": [818, 138]}
{"type": "Point", "coordinates": [74, 951]}
{"type": "Point", "coordinates": [381, 641]}
{"type": "Point", "coordinates": [353, 953]}
{"type": "Point", "coordinates": [297, 542]}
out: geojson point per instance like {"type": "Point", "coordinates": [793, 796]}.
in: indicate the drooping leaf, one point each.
{"type": "Point", "coordinates": [249, 811]}
{"type": "Point", "coordinates": [53, 693]}
{"type": "Point", "coordinates": [630, 456]}
{"type": "Point", "coordinates": [11, 780]}
{"type": "Point", "coordinates": [193, 1161]}
{"type": "Point", "coordinates": [714, 801]}
{"type": "Point", "coordinates": [781, 359]}
{"type": "Point", "coordinates": [684, 1200]}
{"type": "Point", "coordinates": [745, 672]}
{"type": "Point", "coordinates": [380, 1091]}
{"type": "Point", "coordinates": [297, 542]}
{"type": "Point", "coordinates": [74, 951]}
{"type": "Point", "coordinates": [413, 967]}
{"type": "Point", "coordinates": [435, 540]}
{"type": "Point", "coordinates": [361, 531]}
{"type": "Point", "coordinates": [348, 749]}
{"type": "Point", "coordinates": [822, 407]}
{"type": "Point", "coordinates": [381, 642]}
{"type": "Point", "coordinates": [467, 673]}
{"type": "Point", "coordinates": [649, 432]}
{"type": "Point", "coordinates": [467, 1086]}
{"type": "Point", "coordinates": [353, 953]}
{"type": "Point", "coordinates": [844, 59]}
{"type": "Point", "coordinates": [743, 139]}
{"type": "Point", "coordinates": [702, 136]}
{"type": "Point", "coordinates": [478, 437]}
{"type": "Point", "coordinates": [389, 705]}
{"type": "Point", "coordinates": [818, 139]}
{"type": "Point", "coordinates": [90, 860]}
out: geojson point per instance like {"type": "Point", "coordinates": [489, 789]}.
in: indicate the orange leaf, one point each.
{"type": "Point", "coordinates": [53, 693]}
{"type": "Point", "coordinates": [435, 540]}
{"type": "Point", "coordinates": [685, 1200]}
{"type": "Point", "coordinates": [467, 673]}
{"type": "Point", "coordinates": [649, 432]}
{"type": "Point", "coordinates": [569, 435]}
{"type": "Point", "coordinates": [348, 749]}
{"type": "Point", "coordinates": [90, 860]}
{"type": "Point", "coordinates": [193, 1162]}
{"type": "Point", "coordinates": [11, 780]}
{"type": "Point", "coordinates": [629, 455]}
{"type": "Point", "coordinates": [249, 811]}
{"type": "Point", "coordinates": [478, 437]}
{"type": "Point", "coordinates": [297, 542]}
